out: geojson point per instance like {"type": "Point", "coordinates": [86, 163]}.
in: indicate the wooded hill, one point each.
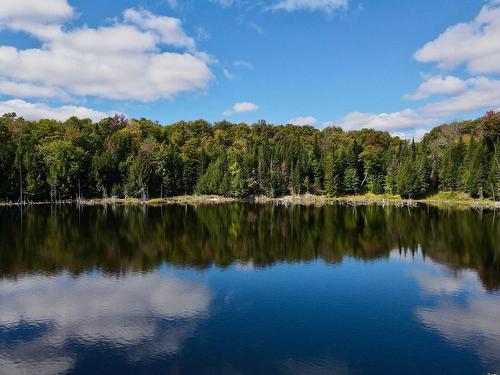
{"type": "Point", "coordinates": [47, 159]}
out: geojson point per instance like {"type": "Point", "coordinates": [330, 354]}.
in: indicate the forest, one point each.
{"type": "Point", "coordinates": [118, 157]}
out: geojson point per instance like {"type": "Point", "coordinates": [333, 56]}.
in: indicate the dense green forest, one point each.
{"type": "Point", "coordinates": [47, 159]}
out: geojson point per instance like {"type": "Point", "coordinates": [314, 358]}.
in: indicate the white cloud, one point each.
{"type": "Point", "coordinates": [124, 61]}
{"type": "Point", "coordinates": [37, 111]}
{"type": "Point", "coordinates": [224, 3]}
{"type": "Point", "coordinates": [303, 120]}
{"type": "Point", "coordinates": [168, 29]}
{"type": "Point", "coordinates": [326, 6]}
{"type": "Point", "coordinates": [406, 119]}
{"type": "Point", "coordinates": [415, 134]}
{"type": "Point", "coordinates": [471, 96]}
{"type": "Point", "coordinates": [241, 108]}
{"type": "Point", "coordinates": [482, 94]}
{"type": "Point", "coordinates": [28, 90]}
{"type": "Point", "coordinates": [438, 85]}
{"type": "Point", "coordinates": [327, 124]}
{"type": "Point", "coordinates": [475, 44]}
{"type": "Point", "coordinates": [34, 11]}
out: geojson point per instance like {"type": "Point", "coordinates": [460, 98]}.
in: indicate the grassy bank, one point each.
{"type": "Point", "coordinates": [447, 199]}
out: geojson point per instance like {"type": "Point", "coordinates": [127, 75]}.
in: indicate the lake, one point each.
{"type": "Point", "coordinates": [249, 289]}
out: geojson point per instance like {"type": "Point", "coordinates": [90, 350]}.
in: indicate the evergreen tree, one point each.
{"type": "Point", "coordinates": [494, 174]}
{"type": "Point", "coordinates": [351, 181]}
{"type": "Point", "coordinates": [237, 185]}
{"type": "Point", "coordinates": [423, 175]}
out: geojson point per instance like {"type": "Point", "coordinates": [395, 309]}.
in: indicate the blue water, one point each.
{"type": "Point", "coordinates": [402, 313]}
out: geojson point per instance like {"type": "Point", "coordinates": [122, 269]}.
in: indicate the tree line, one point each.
{"type": "Point", "coordinates": [48, 159]}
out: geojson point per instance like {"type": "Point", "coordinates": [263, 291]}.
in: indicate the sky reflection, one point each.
{"type": "Point", "coordinates": [461, 311]}
{"type": "Point", "coordinates": [124, 313]}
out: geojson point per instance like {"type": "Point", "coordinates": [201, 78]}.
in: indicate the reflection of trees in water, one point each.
{"type": "Point", "coordinates": [119, 239]}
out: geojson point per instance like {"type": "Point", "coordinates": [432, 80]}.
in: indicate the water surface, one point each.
{"type": "Point", "coordinates": [243, 289]}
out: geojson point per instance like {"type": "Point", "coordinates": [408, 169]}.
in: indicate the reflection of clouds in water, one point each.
{"type": "Point", "coordinates": [407, 255]}
{"type": "Point", "coordinates": [40, 366]}
{"type": "Point", "coordinates": [244, 266]}
{"type": "Point", "coordinates": [475, 322]}
{"type": "Point", "coordinates": [121, 312]}
{"type": "Point", "coordinates": [445, 284]}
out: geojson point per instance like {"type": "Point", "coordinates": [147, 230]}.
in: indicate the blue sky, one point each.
{"type": "Point", "coordinates": [397, 65]}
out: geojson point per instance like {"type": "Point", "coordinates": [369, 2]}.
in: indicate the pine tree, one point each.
{"type": "Point", "coordinates": [407, 180]}
{"type": "Point", "coordinates": [237, 186]}
{"type": "Point", "coordinates": [351, 181]}
{"type": "Point", "coordinates": [424, 175]}
{"type": "Point", "coordinates": [475, 179]}
{"type": "Point", "coordinates": [494, 174]}
{"type": "Point", "coordinates": [330, 186]}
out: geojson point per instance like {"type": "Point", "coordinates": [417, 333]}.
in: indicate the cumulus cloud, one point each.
{"type": "Point", "coordinates": [168, 29]}
{"type": "Point", "coordinates": [241, 108]}
{"type": "Point", "coordinates": [127, 60]}
{"type": "Point", "coordinates": [37, 111]}
{"type": "Point", "coordinates": [406, 119]}
{"type": "Point", "coordinates": [327, 6]}
{"type": "Point", "coordinates": [28, 90]}
{"type": "Point", "coordinates": [14, 12]}
{"type": "Point", "coordinates": [482, 94]}
{"type": "Point", "coordinates": [438, 85]}
{"type": "Point", "coordinates": [470, 96]}
{"type": "Point", "coordinates": [475, 44]}
{"type": "Point", "coordinates": [303, 120]}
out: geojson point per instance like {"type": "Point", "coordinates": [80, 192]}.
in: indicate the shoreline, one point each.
{"type": "Point", "coordinates": [301, 200]}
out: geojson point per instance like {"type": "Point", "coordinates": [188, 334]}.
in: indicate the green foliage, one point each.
{"type": "Point", "coordinates": [64, 163]}
{"type": "Point", "coordinates": [494, 174]}
{"type": "Point", "coordinates": [351, 180]}
{"type": "Point", "coordinates": [408, 181]}
{"type": "Point", "coordinates": [143, 159]}
{"type": "Point", "coordinates": [7, 159]}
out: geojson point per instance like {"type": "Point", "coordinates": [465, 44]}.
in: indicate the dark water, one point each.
{"type": "Point", "coordinates": [241, 289]}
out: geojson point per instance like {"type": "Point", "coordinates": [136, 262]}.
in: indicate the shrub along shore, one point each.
{"type": "Point", "coordinates": [450, 200]}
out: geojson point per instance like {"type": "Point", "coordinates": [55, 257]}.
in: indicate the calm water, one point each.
{"type": "Point", "coordinates": [241, 289]}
